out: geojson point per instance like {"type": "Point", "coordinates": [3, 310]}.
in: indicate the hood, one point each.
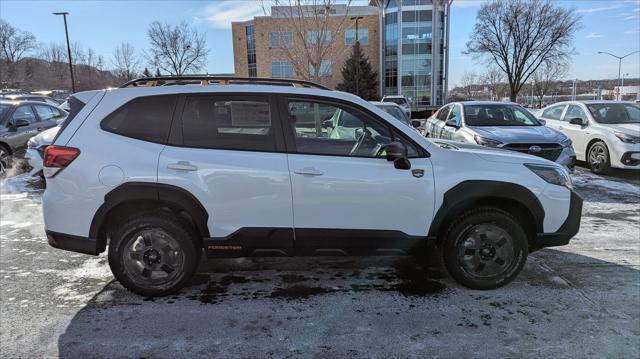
{"type": "Point", "coordinates": [632, 129]}
{"type": "Point", "coordinates": [520, 134]}
{"type": "Point", "coordinates": [47, 136]}
{"type": "Point", "coordinates": [490, 153]}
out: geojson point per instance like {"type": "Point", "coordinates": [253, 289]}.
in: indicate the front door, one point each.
{"type": "Point", "coordinates": [576, 132]}
{"type": "Point", "coordinates": [22, 134]}
{"type": "Point", "coordinates": [347, 198]}
{"type": "Point", "coordinates": [231, 158]}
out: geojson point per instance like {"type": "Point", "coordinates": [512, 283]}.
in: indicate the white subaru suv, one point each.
{"type": "Point", "coordinates": [252, 167]}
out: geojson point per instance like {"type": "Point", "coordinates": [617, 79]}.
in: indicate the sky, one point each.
{"type": "Point", "coordinates": [607, 25]}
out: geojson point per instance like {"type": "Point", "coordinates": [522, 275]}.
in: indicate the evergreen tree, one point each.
{"type": "Point", "coordinates": [158, 73]}
{"type": "Point", "coordinates": [358, 77]}
{"type": "Point", "coordinates": [146, 73]}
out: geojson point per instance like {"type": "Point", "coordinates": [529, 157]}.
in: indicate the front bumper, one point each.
{"type": "Point", "coordinates": [569, 228]}
{"type": "Point", "coordinates": [74, 243]}
{"type": "Point", "coordinates": [625, 155]}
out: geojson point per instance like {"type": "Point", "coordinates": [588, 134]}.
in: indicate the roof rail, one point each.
{"type": "Point", "coordinates": [206, 80]}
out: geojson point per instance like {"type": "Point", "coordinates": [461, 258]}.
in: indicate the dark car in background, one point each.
{"type": "Point", "coordinates": [31, 97]}
{"type": "Point", "coordinates": [21, 120]}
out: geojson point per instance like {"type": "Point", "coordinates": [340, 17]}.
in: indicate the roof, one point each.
{"type": "Point", "coordinates": [485, 103]}
{"type": "Point", "coordinates": [20, 102]}
{"type": "Point", "coordinates": [384, 104]}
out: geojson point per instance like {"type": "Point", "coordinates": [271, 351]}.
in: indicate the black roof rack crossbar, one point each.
{"type": "Point", "coordinates": [219, 80]}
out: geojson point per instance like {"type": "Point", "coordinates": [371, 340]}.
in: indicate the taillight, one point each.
{"type": "Point", "coordinates": [58, 157]}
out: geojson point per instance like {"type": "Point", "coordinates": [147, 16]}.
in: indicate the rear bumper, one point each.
{"type": "Point", "coordinates": [569, 228]}
{"type": "Point", "coordinates": [74, 243]}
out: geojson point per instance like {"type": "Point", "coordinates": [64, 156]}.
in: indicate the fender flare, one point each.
{"type": "Point", "coordinates": [163, 194]}
{"type": "Point", "coordinates": [466, 193]}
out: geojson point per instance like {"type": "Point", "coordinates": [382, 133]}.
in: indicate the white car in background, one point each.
{"type": "Point", "coordinates": [400, 101]}
{"type": "Point", "coordinates": [605, 134]}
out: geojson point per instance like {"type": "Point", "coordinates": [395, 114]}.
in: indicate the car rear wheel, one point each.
{"type": "Point", "coordinates": [154, 254]}
{"type": "Point", "coordinates": [599, 161]}
{"type": "Point", "coordinates": [485, 248]}
{"type": "Point", "coordinates": [5, 160]}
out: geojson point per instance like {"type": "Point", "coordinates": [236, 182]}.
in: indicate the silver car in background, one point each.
{"type": "Point", "coordinates": [605, 134]}
{"type": "Point", "coordinates": [501, 125]}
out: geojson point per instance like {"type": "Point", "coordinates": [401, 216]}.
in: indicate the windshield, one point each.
{"type": "Point", "coordinates": [397, 113]}
{"type": "Point", "coordinates": [398, 100]}
{"type": "Point", "coordinates": [498, 115]}
{"type": "Point", "coordinates": [615, 112]}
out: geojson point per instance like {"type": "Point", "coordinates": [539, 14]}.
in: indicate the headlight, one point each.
{"type": "Point", "coordinates": [627, 138]}
{"type": "Point", "coordinates": [566, 142]}
{"type": "Point", "coordinates": [551, 174]}
{"type": "Point", "coordinates": [483, 141]}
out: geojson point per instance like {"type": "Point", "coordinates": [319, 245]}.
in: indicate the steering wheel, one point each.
{"type": "Point", "coordinates": [356, 147]}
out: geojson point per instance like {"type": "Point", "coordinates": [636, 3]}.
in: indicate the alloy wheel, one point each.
{"type": "Point", "coordinates": [4, 161]}
{"type": "Point", "coordinates": [597, 158]}
{"type": "Point", "coordinates": [486, 250]}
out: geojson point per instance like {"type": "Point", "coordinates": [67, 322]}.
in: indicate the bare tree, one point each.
{"type": "Point", "coordinates": [176, 49]}
{"type": "Point", "coordinates": [520, 35]}
{"type": "Point", "coordinates": [14, 44]}
{"type": "Point", "coordinates": [494, 79]}
{"type": "Point", "coordinates": [467, 81]}
{"type": "Point", "coordinates": [316, 33]}
{"type": "Point", "coordinates": [546, 79]}
{"type": "Point", "coordinates": [125, 61]}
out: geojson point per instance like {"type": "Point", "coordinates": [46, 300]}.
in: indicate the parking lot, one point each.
{"type": "Point", "coordinates": [580, 300]}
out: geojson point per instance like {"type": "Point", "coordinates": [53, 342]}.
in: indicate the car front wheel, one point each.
{"type": "Point", "coordinates": [599, 161]}
{"type": "Point", "coordinates": [5, 160]}
{"type": "Point", "coordinates": [154, 254]}
{"type": "Point", "coordinates": [485, 248]}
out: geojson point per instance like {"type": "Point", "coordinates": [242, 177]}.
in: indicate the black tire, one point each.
{"type": "Point", "coordinates": [153, 254]}
{"type": "Point", "coordinates": [5, 160]}
{"type": "Point", "coordinates": [485, 248]}
{"type": "Point", "coordinates": [598, 158]}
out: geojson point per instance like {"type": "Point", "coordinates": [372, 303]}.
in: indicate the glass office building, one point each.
{"type": "Point", "coordinates": [414, 46]}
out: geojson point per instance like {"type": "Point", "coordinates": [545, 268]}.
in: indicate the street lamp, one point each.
{"type": "Point", "coordinates": [619, 66]}
{"type": "Point", "coordinates": [64, 15]}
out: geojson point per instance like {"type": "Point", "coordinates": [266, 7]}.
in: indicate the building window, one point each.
{"type": "Point", "coordinates": [280, 39]}
{"type": "Point", "coordinates": [325, 68]}
{"type": "Point", "coordinates": [281, 69]}
{"type": "Point", "coordinates": [251, 51]}
{"type": "Point", "coordinates": [350, 36]}
{"type": "Point", "coordinates": [312, 37]}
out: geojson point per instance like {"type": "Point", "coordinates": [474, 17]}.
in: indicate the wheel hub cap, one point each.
{"type": "Point", "coordinates": [486, 250]}
{"type": "Point", "coordinates": [152, 256]}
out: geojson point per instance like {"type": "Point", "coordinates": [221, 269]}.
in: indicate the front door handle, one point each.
{"type": "Point", "coordinates": [182, 166]}
{"type": "Point", "coordinates": [309, 171]}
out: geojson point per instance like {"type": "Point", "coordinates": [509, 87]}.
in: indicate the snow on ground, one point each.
{"type": "Point", "coordinates": [580, 300]}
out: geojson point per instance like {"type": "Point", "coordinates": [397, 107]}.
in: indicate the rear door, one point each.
{"type": "Point", "coordinates": [441, 118]}
{"type": "Point", "coordinates": [48, 115]}
{"type": "Point", "coordinates": [228, 151]}
{"type": "Point", "coordinates": [553, 116]}
{"type": "Point", "coordinates": [451, 133]}
{"type": "Point", "coordinates": [347, 198]}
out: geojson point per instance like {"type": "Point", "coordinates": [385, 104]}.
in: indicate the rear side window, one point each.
{"type": "Point", "coordinates": [46, 112]}
{"type": "Point", "coordinates": [442, 115]}
{"type": "Point", "coordinates": [553, 113]}
{"type": "Point", "coordinates": [231, 123]}
{"type": "Point", "coordinates": [143, 118]}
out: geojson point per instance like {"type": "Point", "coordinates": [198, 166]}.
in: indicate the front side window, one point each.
{"type": "Point", "coordinates": [313, 36]}
{"type": "Point", "coordinates": [444, 112]}
{"type": "Point", "coordinates": [574, 111]}
{"type": "Point", "coordinates": [228, 123]}
{"type": "Point", "coordinates": [281, 69]}
{"type": "Point", "coordinates": [24, 113]}
{"type": "Point", "coordinates": [325, 69]}
{"type": "Point", "coordinates": [280, 39]}
{"type": "Point", "coordinates": [350, 36]}
{"type": "Point", "coordinates": [46, 112]}
{"type": "Point", "coordinates": [328, 129]}
{"type": "Point", "coordinates": [615, 112]}
{"type": "Point", "coordinates": [396, 100]}
{"type": "Point", "coordinates": [553, 112]}
{"type": "Point", "coordinates": [455, 114]}
{"type": "Point", "coordinates": [498, 115]}
{"type": "Point", "coordinates": [145, 118]}
{"type": "Point", "coordinates": [397, 113]}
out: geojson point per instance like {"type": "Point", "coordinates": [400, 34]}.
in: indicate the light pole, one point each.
{"type": "Point", "coordinates": [66, 32]}
{"type": "Point", "coordinates": [619, 66]}
{"type": "Point", "coordinates": [356, 18]}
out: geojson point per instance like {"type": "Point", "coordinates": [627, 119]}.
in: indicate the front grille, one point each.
{"type": "Point", "coordinates": [549, 151]}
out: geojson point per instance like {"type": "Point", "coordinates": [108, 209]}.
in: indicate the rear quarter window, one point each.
{"type": "Point", "coordinates": [144, 118]}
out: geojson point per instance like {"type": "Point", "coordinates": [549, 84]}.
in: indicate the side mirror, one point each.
{"type": "Point", "coordinates": [416, 123]}
{"type": "Point", "coordinates": [542, 122]}
{"type": "Point", "coordinates": [397, 152]}
{"type": "Point", "coordinates": [19, 123]}
{"type": "Point", "coordinates": [452, 123]}
{"type": "Point", "coordinates": [577, 121]}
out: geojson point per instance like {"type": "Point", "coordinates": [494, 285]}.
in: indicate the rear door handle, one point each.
{"type": "Point", "coordinates": [182, 166]}
{"type": "Point", "coordinates": [309, 171]}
